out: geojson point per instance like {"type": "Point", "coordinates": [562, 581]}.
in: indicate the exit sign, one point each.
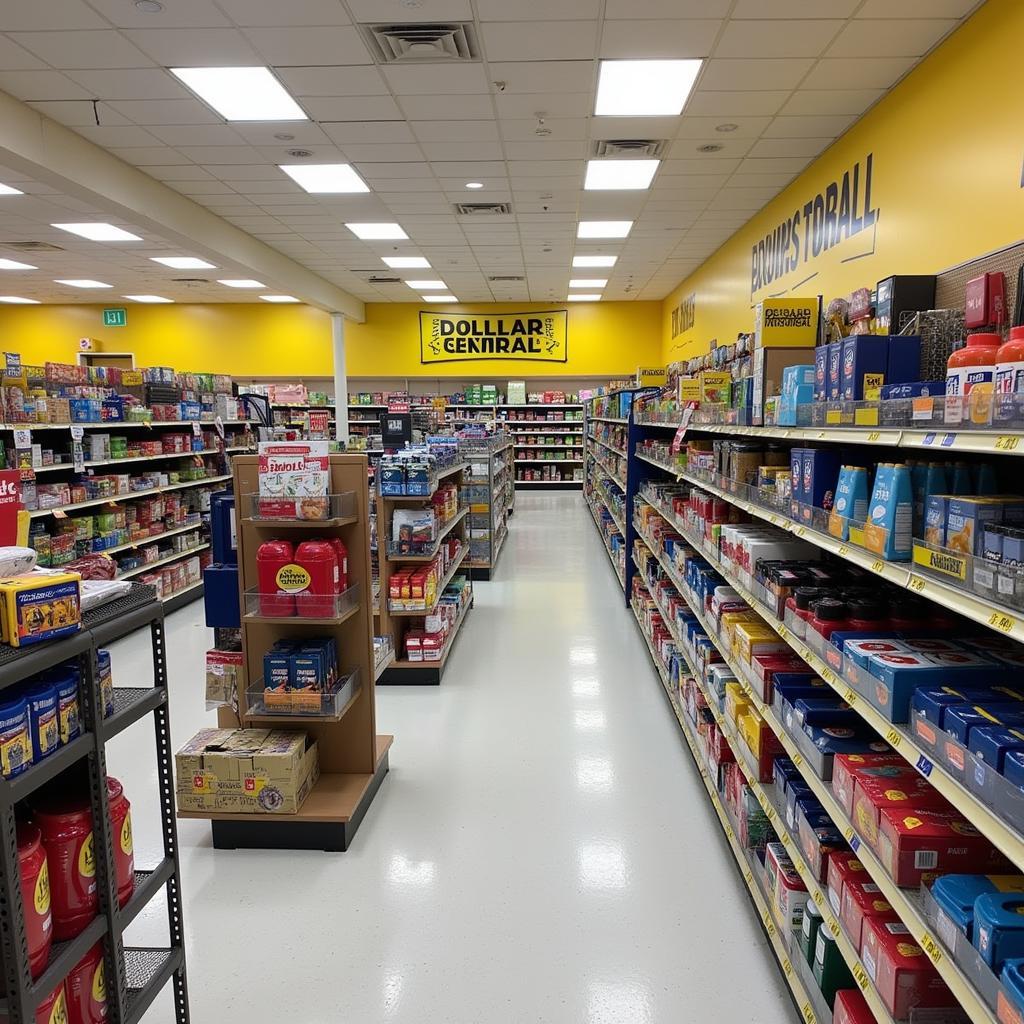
{"type": "Point", "coordinates": [115, 318]}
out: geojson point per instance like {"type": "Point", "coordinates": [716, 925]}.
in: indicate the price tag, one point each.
{"type": "Point", "coordinates": [924, 766]}
{"type": "Point", "coordinates": [1001, 621]}
{"type": "Point", "coordinates": [1007, 442]}
{"type": "Point", "coordinates": [818, 897]}
{"type": "Point", "coordinates": [768, 926]}
{"type": "Point", "coordinates": [197, 429]}
{"type": "Point", "coordinates": [787, 967]}
{"type": "Point", "coordinates": [844, 550]}
{"type": "Point", "coordinates": [873, 436]}
{"type": "Point", "coordinates": [59, 513]}
{"type": "Point", "coordinates": [833, 926]}
{"type": "Point", "coordinates": [947, 440]}
{"type": "Point", "coordinates": [848, 834]}
{"type": "Point", "coordinates": [729, 832]}
{"type": "Point", "coordinates": [928, 440]}
{"type": "Point", "coordinates": [894, 738]}
{"type": "Point", "coordinates": [916, 583]}
{"type": "Point", "coordinates": [77, 432]}
{"type": "Point", "coordinates": [861, 976]}
{"type": "Point", "coordinates": [78, 456]}
{"type": "Point", "coordinates": [770, 814]}
{"type": "Point", "coordinates": [800, 531]}
{"type": "Point", "coordinates": [850, 697]}
{"type": "Point", "coordinates": [22, 437]}
{"type": "Point", "coordinates": [829, 676]}
{"type": "Point", "coordinates": [808, 1014]}
{"type": "Point", "coordinates": [854, 842]}
{"type": "Point", "coordinates": [931, 947]}
{"type": "Point", "coordinates": [748, 877]}
{"type": "Point", "coordinates": [798, 760]}
{"type": "Point", "coordinates": [877, 565]}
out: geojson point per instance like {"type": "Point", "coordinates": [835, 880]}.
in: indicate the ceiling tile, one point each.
{"type": "Point", "coordinates": [789, 147]}
{"type": "Point", "coordinates": [181, 172]}
{"type": "Point", "coordinates": [832, 125]}
{"type": "Point", "coordinates": [805, 38]}
{"type": "Point", "coordinates": [763, 165]}
{"type": "Point", "coordinates": [796, 9]}
{"type": "Point", "coordinates": [537, 10]}
{"type": "Point", "coordinates": [544, 168]}
{"type": "Point", "coordinates": [691, 148]}
{"type": "Point", "coordinates": [142, 156]}
{"type": "Point", "coordinates": [547, 150]}
{"type": "Point", "coordinates": [333, 81]}
{"type": "Point", "coordinates": [385, 186]}
{"type": "Point", "coordinates": [69, 14]}
{"type": "Point", "coordinates": [221, 154]}
{"type": "Point", "coordinates": [667, 8]}
{"type": "Point", "coordinates": [79, 112]}
{"type": "Point", "coordinates": [456, 131]}
{"type": "Point", "coordinates": [399, 11]}
{"type": "Point", "coordinates": [194, 135]}
{"type": "Point", "coordinates": [231, 172]}
{"type": "Point", "coordinates": [292, 13]}
{"type": "Point", "coordinates": [469, 170]}
{"type": "Point", "coordinates": [202, 188]}
{"type": "Point", "coordinates": [736, 104]}
{"type": "Point", "coordinates": [549, 40]}
{"type": "Point", "coordinates": [272, 133]}
{"type": "Point", "coordinates": [108, 137]}
{"type": "Point", "coordinates": [825, 102]}
{"type": "Point", "coordinates": [385, 170]}
{"type": "Point", "coordinates": [554, 76]}
{"type": "Point", "coordinates": [492, 187]}
{"type": "Point", "coordinates": [352, 108]}
{"type": "Point", "coordinates": [447, 108]}
{"type": "Point", "coordinates": [578, 104]}
{"type": "Point", "coordinates": [324, 45]}
{"type": "Point", "coordinates": [41, 85]}
{"type": "Point", "coordinates": [700, 164]}
{"type": "Point", "coordinates": [629, 127]}
{"type": "Point", "coordinates": [383, 152]}
{"type": "Point", "coordinates": [152, 112]}
{"type": "Point", "coordinates": [754, 73]}
{"type": "Point", "coordinates": [140, 84]}
{"type": "Point", "coordinates": [658, 39]}
{"type": "Point", "coordinates": [179, 14]}
{"type": "Point", "coordinates": [16, 58]}
{"type": "Point", "coordinates": [857, 73]}
{"type": "Point", "coordinates": [183, 47]}
{"type": "Point", "coordinates": [437, 79]}
{"type": "Point", "coordinates": [368, 132]}
{"type": "Point", "coordinates": [778, 179]}
{"type": "Point", "coordinates": [891, 38]}
{"type": "Point", "coordinates": [704, 127]}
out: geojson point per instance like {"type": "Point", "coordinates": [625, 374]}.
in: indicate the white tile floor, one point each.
{"type": "Point", "coordinates": [542, 851]}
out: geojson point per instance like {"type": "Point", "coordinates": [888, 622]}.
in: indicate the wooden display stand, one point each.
{"type": "Point", "coordinates": [353, 758]}
{"type": "Point", "coordinates": [402, 671]}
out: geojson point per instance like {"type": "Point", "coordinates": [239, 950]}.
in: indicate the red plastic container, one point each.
{"type": "Point", "coordinates": [65, 821]}
{"type": "Point", "coordinates": [341, 553]}
{"type": "Point", "coordinates": [277, 590]}
{"type": "Point", "coordinates": [35, 895]}
{"type": "Point", "coordinates": [970, 379]}
{"type": "Point", "coordinates": [124, 848]}
{"type": "Point", "coordinates": [867, 615]}
{"type": "Point", "coordinates": [52, 1010]}
{"type": "Point", "coordinates": [829, 615]}
{"type": "Point", "coordinates": [319, 560]}
{"type": "Point", "coordinates": [87, 989]}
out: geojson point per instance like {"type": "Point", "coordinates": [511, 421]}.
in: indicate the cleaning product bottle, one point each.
{"type": "Point", "coordinates": [272, 557]}
{"type": "Point", "coordinates": [934, 483]}
{"type": "Point", "coordinates": [1010, 377]}
{"type": "Point", "coordinates": [971, 369]}
{"type": "Point", "coordinates": [851, 499]}
{"type": "Point", "coordinates": [888, 531]}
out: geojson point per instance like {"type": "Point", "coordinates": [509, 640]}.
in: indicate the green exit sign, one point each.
{"type": "Point", "coordinates": [115, 318]}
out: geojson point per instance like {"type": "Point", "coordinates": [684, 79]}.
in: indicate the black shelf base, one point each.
{"type": "Point", "coordinates": [480, 573]}
{"type": "Point", "coordinates": [288, 834]}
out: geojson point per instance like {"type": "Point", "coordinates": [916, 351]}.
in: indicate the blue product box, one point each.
{"type": "Point", "coordinates": [1012, 978]}
{"type": "Point", "coordinates": [992, 743]}
{"type": "Point", "coordinates": [1013, 768]}
{"type": "Point", "coordinates": [931, 702]}
{"type": "Point", "coordinates": [820, 372]}
{"type": "Point", "coordinates": [956, 896]}
{"type": "Point", "coordinates": [915, 389]}
{"type": "Point", "coordinates": [999, 927]}
{"type": "Point", "coordinates": [992, 543]}
{"type": "Point", "coordinates": [796, 480]}
{"type": "Point", "coordinates": [824, 711]}
{"type": "Point", "coordinates": [830, 740]}
{"type": "Point", "coordinates": [834, 376]}
{"type": "Point", "coordinates": [962, 719]}
{"type": "Point", "coordinates": [820, 476]}
{"type": "Point", "coordinates": [220, 596]}
{"type": "Point", "coordinates": [392, 479]}
{"type": "Point", "coordinates": [277, 671]}
{"type": "Point", "coordinates": [863, 354]}
{"type": "Point", "coordinates": [1013, 550]}
{"type": "Point", "coordinates": [904, 362]}
{"type": "Point", "coordinates": [936, 514]}
{"type": "Point", "coordinates": [418, 482]}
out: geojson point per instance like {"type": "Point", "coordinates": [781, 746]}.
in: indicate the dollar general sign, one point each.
{"type": "Point", "coordinates": [533, 336]}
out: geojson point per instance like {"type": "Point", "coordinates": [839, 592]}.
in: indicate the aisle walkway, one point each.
{"type": "Point", "coordinates": [543, 850]}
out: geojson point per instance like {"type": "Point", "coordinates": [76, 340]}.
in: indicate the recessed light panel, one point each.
{"type": "Point", "coordinates": [474, 184]}
{"type": "Point", "coordinates": [588, 282]}
{"type": "Point", "coordinates": [242, 94]}
{"type": "Point", "coordinates": [82, 282]}
{"type": "Point", "coordinates": [426, 286]}
{"type": "Point", "coordinates": [440, 298]}
{"type": "Point", "coordinates": [183, 262]}
{"type": "Point", "coordinates": [406, 262]}
{"type": "Point", "coordinates": [619, 174]}
{"type": "Point", "coordinates": [15, 265]}
{"type": "Point", "coordinates": [325, 179]}
{"type": "Point", "coordinates": [241, 282]}
{"type": "Point", "coordinates": [10, 190]}
{"type": "Point", "coordinates": [594, 261]}
{"type": "Point", "coordinates": [17, 300]}
{"type": "Point", "coordinates": [279, 298]}
{"type": "Point", "coordinates": [604, 228]}
{"type": "Point", "coordinates": [638, 88]}
{"type": "Point", "coordinates": [369, 232]}
{"type": "Point", "coordinates": [99, 232]}
{"type": "Point", "coordinates": [146, 298]}
{"type": "Point", "coordinates": [584, 297]}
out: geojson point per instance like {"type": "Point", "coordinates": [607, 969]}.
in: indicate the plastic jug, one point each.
{"type": "Point", "coordinates": [271, 557]}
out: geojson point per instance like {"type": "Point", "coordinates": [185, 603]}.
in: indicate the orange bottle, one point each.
{"type": "Point", "coordinates": [970, 377]}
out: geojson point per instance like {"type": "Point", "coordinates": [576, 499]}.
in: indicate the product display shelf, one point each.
{"type": "Point", "coordinates": [557, 447]}
{"type": "Point", "coordinates": [486, 481]}
{"type": "Point", "coordinates": [609, 419]}
{"type": "Point", "coordinates": [174, 557]}
{"type": "Point", "coordinates": [116, 425]}
{"type": "Point", "coordinates": [172, 602]}
{"type": "Point", "coordinates": [542, 423]}
{"type": "Point", "coordinates": [604, 444]}
{"type": "Point", "coordinates": [765, 794]}
{"type": "Point", "coordinates": [609, 473]}
{"type": "Point", "coordinates": [904, 901]}
{"type": "Point", "coordinates": [130, 987]}
{"type": "Point", "coordinates": [595, 515]}
{"type": "Point", "coordinates": [130, 496]}
{"type": "Point", "coordinates": [547, 484]}
{"type": "Point", "coordinates": [353, 759]}
{"type": "Point", "coordinates": [151, 539]}
{"type": "Point", "coordinates": [448, 577]}
{"type": "Point", "coordinates": [423, 672]}
{"type": "Point", "coordinates": [446, 527]}
{"type": "Point", "coordinates": [383, 665]}
{"type": "Point", "coordinates": [92, 463]}
{"type": "Point", "coordinates": [654, 462]}
{"type": "Point", "coordinates": [748, 870]}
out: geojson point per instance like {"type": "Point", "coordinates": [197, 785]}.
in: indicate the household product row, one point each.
{"type": "Point", "coordinates": [489, 492]}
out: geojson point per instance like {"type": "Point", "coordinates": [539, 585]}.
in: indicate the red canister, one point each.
{"type": "Point", "coordinates": [276, 583]}
{"type": "Point", "coordinates": [124, 848]}
{"type": "Point", "coordinates": [52, 1010]}
{"type": "Point", "coordinates": [65, 821]}
{"type": "Point", "coordinates": [87, 989]}
{"type": "Point", "coordinates": [35, 895]}
{"type": "Point", "coordinates": [341, 553]}
{"type": "Point", "coordinates": [319, 560]}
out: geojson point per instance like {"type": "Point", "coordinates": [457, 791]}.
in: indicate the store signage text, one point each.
{"type": "Point", "coordinates": [841, 210]}
{"type": "Point", "coordinates": [534, 336]}
{"type": "Point", "coordinates": [684, 316]}
{"type": "Point", "coordinates": [115, 317]}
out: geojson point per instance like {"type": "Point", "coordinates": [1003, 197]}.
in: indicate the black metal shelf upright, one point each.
{"type": "Point", "coordinates": [134, 976]}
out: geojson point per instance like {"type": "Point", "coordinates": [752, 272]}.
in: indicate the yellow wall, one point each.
{"type": "Point", "coordinates": [606, 338]}
{"type": "Point", "coordinates": [946, 183]}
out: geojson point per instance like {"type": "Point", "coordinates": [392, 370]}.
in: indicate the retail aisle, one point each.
{"type": "Point", "coordinates": [543, 850]}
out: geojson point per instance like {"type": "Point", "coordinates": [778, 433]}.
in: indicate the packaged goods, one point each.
{"type": "Point", "coordinates": [42, 710]}
{"type": "Point", "coordinates": [851, 503]}
{"type": "Point", "coordinates": [900, 970]}
{"type": "Point", "coordinates": [1009, 375]}
{"type": "Point", "coordinates": [820, 471]}
{"type": "Point", "coordinates": [293, 479]}
{"type": "Point", "coordinates": [848, 767]}
{"type": "Point", "coordinates": [39, 606]}
{"type": "Point", "coordinates": [276, 579]}
{"type": "Point", "coordinates": [809, 927]}
{"type": "Point", "coordinates": [15, 737]}
{"type": "Point", "coordinates": [888, 531]}
{"type": "Point", "coordinates": [851, 1008]}
{"type": "Point", "coordinates": [87, 989]}
{"type": "Point", "coordinates": [998, 933]}
{"type": "Point", "coordinates": [865, 359]}
{"type": "Point", "coordinates": [830, 970]}
{"type": "Point", "coordinates": [51, 1010]}
{"type": "Point", "coordinates": [956, 896]}
{"type": "Point", "coordinates": [65, 681]}
{"type": "Point", "coordinates": [35, 895]}
{"type": "Point", "coordinates": [969, 380]}
{"type": "Point", "coordinates": [124, 846]}
{"type": "Point", "coordinates": [906, 790]}
{"type": "Point", "coordinates": [861, 901]}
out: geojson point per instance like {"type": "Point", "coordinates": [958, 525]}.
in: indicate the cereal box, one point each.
{"type": "Point", "coordinates": [293, 479]}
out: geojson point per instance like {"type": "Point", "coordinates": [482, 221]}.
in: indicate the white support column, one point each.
{"type": "Point", "coordinates": [340, 377]}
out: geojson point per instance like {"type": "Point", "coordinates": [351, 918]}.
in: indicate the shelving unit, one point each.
{"type": "Point", "coordinates": [401, 670]}
{"type": "Point", "coordinates": [489, 486]}
{"type": "Point", "coordinates": [545, 436]}
{"type": "Point", "coordinates": [134, 976]}
{"type": "Point", "coordinates": [353, 758]}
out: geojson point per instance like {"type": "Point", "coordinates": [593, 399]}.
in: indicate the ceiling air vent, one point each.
{"type": "Point", "coordinates": [377, 279]}
{"type": "Point", "coordinates": [422, 43]}
{"type": "Point", "coordinates": [485, 209]}
{"type": "Point", "coordinates": [629, 147]}
{"type": "Point", "coordinates": [506, 277]}
{"type": "Point", "coordinates": [189, 281]}
{"type": "Point", "coordinates": [31, 246]}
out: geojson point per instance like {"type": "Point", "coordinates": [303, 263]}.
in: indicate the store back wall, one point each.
{"type": "Point", "coordinates": [606, 338]}
{"type": "Point", "coordinates": [945, 187]}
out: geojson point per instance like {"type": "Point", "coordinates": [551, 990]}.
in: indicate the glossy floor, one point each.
{"type": "Point", "coordinates": [543, 850]}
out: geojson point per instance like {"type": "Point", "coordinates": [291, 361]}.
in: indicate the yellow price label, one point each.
{"type": "Point", "coordinates": [818, 897]}
{"type": "Point", "coordinates": [770, 813]}
{"type": "Point", "coordinates": [893, 738]}
{"type": "Point", "coordinates": [833, 926]}
{"type": "Point", "coordinates": [874, 436]}
{"type": "Point", "coordinates": [728, 831]}
{"type": "Point", "coordinates": [783, 632]}
{"type": "Point", "coordinates": [800, 531]}
{"type": "Point", "coordinates": [821, 434]}
{"type": "Point", "coordinates": [844, 550]}
{"type": "Point", "coordinates": [1007, 442]}
{"type": "Point", "coordinates": [748, 877]}
{"type": "Point", "coordinates": [829, 676]}
{"type": "Point", "coordinates": [787, 967]}
{"type": "Point", "coordinates": [848, 834]}
{"type": "Point", "coordinates": [1001, 621]}
{"type": "Point", "coordinates": [877, 565]}
{"type": "Point", "coordinates": [931, 947]}
{"type": "Point", "coordinates": [916, 583]}
{"type": "Point", "coordinates": [808, 1014]}
{"type": "Point", "coordinates": [861, 975]}
{"type": "Point", "coordinates": [850, 696]}
{"type": "Point", "coordinates": [786, 841]}
{"type": "Point", "coordinates": [768, 926]}
{"type": "Point", "coordinates": [797, 760]}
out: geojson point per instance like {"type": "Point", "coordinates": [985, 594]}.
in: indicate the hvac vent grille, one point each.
{"type": "Point", "coordinates": [31, 246]}
{"type": "Point", "coordinates": [629, 147]}
{"type": "Point", "coordinates": [482, 209]}
{"type": "Point", "coordinates": [506, 277]}
{"type": "Point", "coordinates": [420, 44]}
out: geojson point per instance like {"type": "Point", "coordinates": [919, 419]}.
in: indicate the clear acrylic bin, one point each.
{"type": "Point", "coordinates": [281, 509]}
{"type": "Point", "coordinates": [306, 703]}
{"type": "Point", "coordinates": [300, 606]}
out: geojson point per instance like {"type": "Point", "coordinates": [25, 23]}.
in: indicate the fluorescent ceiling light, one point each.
{"type": "Point", "coordinates": [371, 231]}
{"type": "Point", "coordinates": [242, 94]}
{"type": "Point", "coordinates": [183, 262]}
{"type": "Point", "coordinates": [594, 261]}
{"type": "Point", "coordinates": [584, 297]}
{"type": "Point", "coordinates": [426, 286]}
{"type": "Point", "coordinates": [588, 282]}
{"type": "Point", "coordinates": [82, 282]}
{"type": "Point", "coordinates": [146, 298]}
{"type": "Point", "coordinates": [99, 232]}
{"type": "Point", "coordinates": [604, 228]}
{"type": "Point", "coordinates": [406, 262]}
{"type": "Point", "coordinates": [620, 174]}
{"type": "Point", "coordinates": [17, 300]}
{"type": "Point", "coordinates": [15, 265]}
{"type": "Point", "coordinates": [474, 184]}
{"type": "Point", "coordinates": [241, 282]}
{"type": "Point", "coordinates": [10, 190]}
{"type": "Point", "coordinates": [637, 88]}
{"type": "Point", "coordinates": [279, 298]}
{"type": "Point", "coordinates": [440, 298]}
{"type": "Point", "coordinates": [325, 178]}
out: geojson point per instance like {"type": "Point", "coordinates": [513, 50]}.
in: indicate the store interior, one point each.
{"type": "Point", "coordinates": [510, 512]}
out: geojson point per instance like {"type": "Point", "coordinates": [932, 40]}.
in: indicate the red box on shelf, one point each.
{"type": "Point", "coordinates": [862, 900]}
{"type": "Point", "coordinates": [841, 867]}
{"type": "Point", "coordinates": [845, 769]}
{"type": "Point", "coordinates": [851, 1008]}
{"type": "Point", "coordinates": [901, 971]}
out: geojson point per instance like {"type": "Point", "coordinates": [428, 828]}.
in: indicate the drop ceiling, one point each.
{"type": "Point", "coordinates": [781, 81]}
